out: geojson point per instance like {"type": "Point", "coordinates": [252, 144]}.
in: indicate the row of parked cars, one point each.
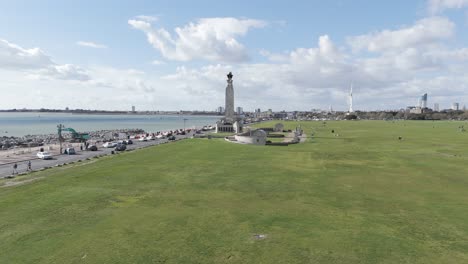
{"type": "Point", "coordinates": [46, 155]}
{"type": "Point", "coordinates": [121, 145]}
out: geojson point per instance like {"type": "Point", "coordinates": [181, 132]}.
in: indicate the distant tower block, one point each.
{"type": "Point", "coordinates": [351, 99]}
{"type": "Point", "coordinates": [229, 109]}
{"type": "Point", "coordinates": [423, 101]}
{"type": "Point", "coordinates": [133, 108]}
{"type": "Point", "coordinates": [436, 107]}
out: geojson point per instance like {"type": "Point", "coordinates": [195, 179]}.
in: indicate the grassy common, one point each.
{"type": "Point", "coordinates": [361, 197]}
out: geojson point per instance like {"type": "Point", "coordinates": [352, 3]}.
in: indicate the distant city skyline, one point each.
{"type": "Point", "coordinates": [290, 56]}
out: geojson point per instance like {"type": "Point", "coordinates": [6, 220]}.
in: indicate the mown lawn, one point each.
{"type": "Point", "coordinates": [361, 197]}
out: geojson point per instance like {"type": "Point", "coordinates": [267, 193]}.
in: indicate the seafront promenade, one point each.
{"type": "Point", "coordinates": [6, 163]}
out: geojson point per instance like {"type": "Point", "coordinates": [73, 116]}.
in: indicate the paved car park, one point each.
{"type": "Point", "coordinates": [6, 169]}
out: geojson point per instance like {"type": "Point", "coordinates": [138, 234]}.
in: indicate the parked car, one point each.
{"type": "Point", "coordinates": [171, 138]}
{"type": "Point", "coordinates": [143, 139]}
{"type": "Point", "coordinates": [120, 147]}
{"type": "Point", "coordinates": [129, 142]}
{"type": "Point", "coordinates": [44, 155]}
{"type": "Point", "coordinates": [92, 148]}
{"type": "Point", "coordinates": [109, 145]}
{"type": "Point", "coordinates": [70, 151]}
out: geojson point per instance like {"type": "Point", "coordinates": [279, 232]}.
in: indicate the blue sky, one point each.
{"type": "Point", "coordinates": [284, 54]}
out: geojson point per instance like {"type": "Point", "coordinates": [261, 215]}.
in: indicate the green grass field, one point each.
{"type": "Point", "coordinates": [360, 197]}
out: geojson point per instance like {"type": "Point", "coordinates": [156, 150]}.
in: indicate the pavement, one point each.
{"type": "Point", "coordinates": [6, 169]}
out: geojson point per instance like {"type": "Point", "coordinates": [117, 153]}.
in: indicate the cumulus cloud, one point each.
{"type": "Point", "coordinates": [90, 44]}
{"type": "Point", "coordinates": [147, 18]}
{"type": "Point", "coordinates": [436, 6]}
{"type": "Point", "coordinates": [424, 31]}
{"type": "Point", "coordinates": [36, 63]}
{"type": "Point", "coordinates": [13, 56]}
{"type": "Point", "coordinates": [62, 72]}
{"type": "Point", "coordinates": [389, 71]}
{"type": "Point", "coordinates": [212, 39]}
{"type": "Point", "coordinates": [274, 57]}
{"type": "Point", "coordinates": [318, 76]}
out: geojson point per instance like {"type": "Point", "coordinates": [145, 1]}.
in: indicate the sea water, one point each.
{"type": "Point", "coordinates": [34, 123]}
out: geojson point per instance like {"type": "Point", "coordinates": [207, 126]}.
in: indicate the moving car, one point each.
{"type": "Point", "coordinates": [143, 139]}
{"type": "Point", "coordinates": [44, 155]}
{"type": "Point", "coordinates": [171, 138]}
{"type": "Point", "coordinates": [129, 142]}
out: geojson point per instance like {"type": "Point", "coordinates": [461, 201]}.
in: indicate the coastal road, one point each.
{"type": "Point", "coordinates": [38, 164]}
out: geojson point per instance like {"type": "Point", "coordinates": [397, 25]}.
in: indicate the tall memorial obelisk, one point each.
{"type": "Point", "coordinates": [229, 107]}
{"type": "Point", "coordinates": [231, 123]}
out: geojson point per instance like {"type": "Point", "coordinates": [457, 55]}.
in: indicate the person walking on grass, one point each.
{"type": "Point", "coordinates": [15, 169]}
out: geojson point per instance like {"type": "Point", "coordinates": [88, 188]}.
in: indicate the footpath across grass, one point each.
{"type": "Point", "coordinates": [358, 195]}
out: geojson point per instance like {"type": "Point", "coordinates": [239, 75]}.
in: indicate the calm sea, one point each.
{"type": "Point", "coordinates": [20, 124]}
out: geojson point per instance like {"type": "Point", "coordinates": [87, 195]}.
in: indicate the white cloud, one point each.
{"type": "Point", "coordinates": [273, 56]}
{"type": "Point", "coordinates": [423, 32]}
{"type": "Point", "coordinates": [13, 56]}
{"type": "Point", "coordinates": [212, 39]}
{"type": "Point", "coordinates": [147, 18]}
{"type": "Point", "coordinates": [391, 73]}
{"type": "Point", "coordinates": [157, 62]}
{"type": "Point", "coordinates": [62, 72]}
{"type": "Point", "coordinates": [36, 63]}
{"type": "Point", "coordinates": [436, 6]}
{"type": "Point", "coordinates": [90, 44]}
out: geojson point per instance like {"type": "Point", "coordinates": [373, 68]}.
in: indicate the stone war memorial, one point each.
{"type": "Point", "coordinates": [231, 123]}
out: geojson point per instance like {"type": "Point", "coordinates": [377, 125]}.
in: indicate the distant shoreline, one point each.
{"type": "Point", "coordinates": [104, 112]}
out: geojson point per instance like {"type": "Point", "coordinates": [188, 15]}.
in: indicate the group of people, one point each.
{"type": "Point", "coordinates": [15, 167]}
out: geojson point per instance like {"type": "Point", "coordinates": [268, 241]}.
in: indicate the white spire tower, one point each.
{"type": "Point", "coordinates": [351, 99]}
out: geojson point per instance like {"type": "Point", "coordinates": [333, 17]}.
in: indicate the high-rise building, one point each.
{"type": "Point", "coordinates": [456, 106]}
{"type": "Point", "coordinates": [436, 107]}
{"type": "Point", "coordinates": [350, 110]}
{"type": "Point", "coordinates": [133, 108]}
{"type": "Point", "coordinates": [258, 110]}
{"type": "Point", "coordinates": [220, 110]}
{"type": "Point", "coordinates": [239, 110]}
{"type": "Point", "coordinates": [423, 101]}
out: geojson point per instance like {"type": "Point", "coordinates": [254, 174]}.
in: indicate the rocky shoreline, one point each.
{"type": "Point", "coordinates": [41, 140]}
